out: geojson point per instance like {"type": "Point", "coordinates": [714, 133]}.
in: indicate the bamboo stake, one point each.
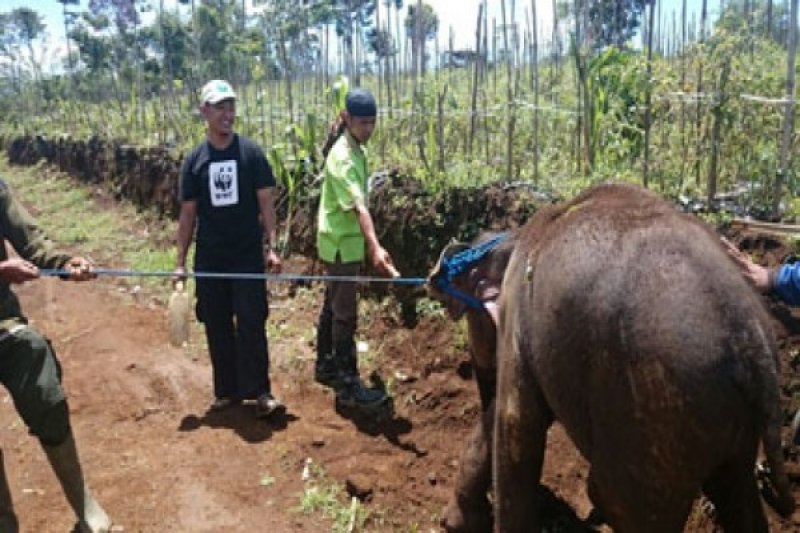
{"type": "Point", "coordinates": [788, 117]}
{"type": "Point", "coordinates": [648, 96]}
{"type": "Point", "coordinates": [475, 80]}
{"type": "Point", "coordinates": [535, 71]}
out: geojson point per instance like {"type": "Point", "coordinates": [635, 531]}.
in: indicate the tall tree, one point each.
{"type": "Point", "coordinates": [69, 19]}
{"type": "Point", "coordinates": [20, 29]}
{"type": "Point", "coordinates": [429, 26]}
{"type": "Point", "coordinates": [28, 26]}
{"type": "Point", "coordinates": [352, 20]}
{"type": "Point", "coordinates": [613, 22]}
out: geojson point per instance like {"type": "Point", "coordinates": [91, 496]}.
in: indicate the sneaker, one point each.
{"type": "Point", "coordinates": [222, 403]}
{"type": "Point", "coordinates": [355, 394]}
{"type": "Point", "coordinates": [267, 405]}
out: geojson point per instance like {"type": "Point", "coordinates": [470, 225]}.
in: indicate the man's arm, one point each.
{"type": "Point", "coordinates": [785, 282]}
{"type": "Point", "coordinates": [186, 222]}
{"type": "Point", "coordinates": [380, 258]}
{"type": "Point", "coordinates": [25, 235]}
{"type": "Point", "coordinates": [269, 225]}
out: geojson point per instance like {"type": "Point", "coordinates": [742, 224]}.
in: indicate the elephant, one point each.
{"type": "Point", "coordinates": [469, 509]}
{"type": "Point", "coordinates": [626, 321]}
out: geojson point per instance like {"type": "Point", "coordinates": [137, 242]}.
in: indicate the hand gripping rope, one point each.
{"type": "Point", "coordinates": [457, 264]}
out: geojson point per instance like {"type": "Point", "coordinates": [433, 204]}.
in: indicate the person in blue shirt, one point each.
{"type": "Point", "coordinates": [783, 281]}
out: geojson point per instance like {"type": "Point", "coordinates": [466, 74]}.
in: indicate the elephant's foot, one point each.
{"type": "Point", "coordinates": [463, 517]}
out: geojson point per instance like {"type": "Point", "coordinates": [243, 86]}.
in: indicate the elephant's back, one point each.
{"type": "Point", "coordinates": [640, 332]}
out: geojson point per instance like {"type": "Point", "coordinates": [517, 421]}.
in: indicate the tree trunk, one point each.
{"type": "Point", "coordinates": [535, 71]}
{"type": "Point", "coordinates": [768, 29]}
{"type": "Point", "coordinates": [684, 144]}
{"type": "Point", "coordinates": [475, 80]}
{"type": "Point", "coordinates": [698, 115]}
{"type": "Point", "coordinates": [510, 97]}
{"type": "Point", "coordinates": [440, 127]}
{"type": "Point", "coordinates": [70, 61]}
{"type": "Point", "coordinates": [716, 133]}
{"type": "Point", "coordinates": [584, 141]}
{"type": "Point", "coordinates": [377, 56]}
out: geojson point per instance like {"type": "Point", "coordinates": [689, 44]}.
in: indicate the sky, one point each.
{"type": "Point", "coordinates": [461, 15]}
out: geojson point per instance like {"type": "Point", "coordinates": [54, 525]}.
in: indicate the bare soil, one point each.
{"type": "Point", "coordinates": [159, 461]}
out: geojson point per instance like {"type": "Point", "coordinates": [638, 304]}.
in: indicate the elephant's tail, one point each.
{"type": "Point", "coordinates": [782, 500]}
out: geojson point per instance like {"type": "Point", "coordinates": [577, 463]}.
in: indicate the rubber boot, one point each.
{"type": "Point", "coordinates": [64, 460]}
{"type": "Point", "coordinates": [326, 369]}
{"type": "Point", "coordinates": [353, 392]}
{"type": "Point", "coordinates": [8, 520]}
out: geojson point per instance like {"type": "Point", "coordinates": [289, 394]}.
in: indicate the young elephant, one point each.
{"type": "Point", "coordinates": [626, 321]}
{"type": "Point", "coordinates": [469, 509]}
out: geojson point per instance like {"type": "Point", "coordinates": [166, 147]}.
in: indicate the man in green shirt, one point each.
{"type": "Point", "coordinates": [29, 368]}
{"type": "Point", "coordinates": [344, 232]}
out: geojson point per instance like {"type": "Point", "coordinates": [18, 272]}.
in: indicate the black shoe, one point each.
{"type": "Point", "coordinates": [326, 372]}
{"type": "Point", "coordinates": [353, 393]}
{"type": "Point", "coordinates": [267, 406]}
{"type": "Point", "coordinates": [220, 404]}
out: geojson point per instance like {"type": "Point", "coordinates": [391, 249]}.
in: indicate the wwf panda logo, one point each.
{"type": "Point", "coordinates": [223, 183]}
{"type": "Point", "coordinates": [224, 178]}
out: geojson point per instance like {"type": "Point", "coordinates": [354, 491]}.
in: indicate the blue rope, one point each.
{"type": "Point", "coordinates": [453, 266]}
{"type": "Point", "coordinates": [240, 275]}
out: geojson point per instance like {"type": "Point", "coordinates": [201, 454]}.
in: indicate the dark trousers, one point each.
{"type": "Point", "coordinates": [338, 318]}
{"type": "Point", "coordinates": [234, 313]}
{"type": "Point", "coordinates": [31, 373]}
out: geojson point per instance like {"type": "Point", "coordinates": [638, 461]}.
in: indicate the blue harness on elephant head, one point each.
{"type": "Point", "coordinates": [457, 264]}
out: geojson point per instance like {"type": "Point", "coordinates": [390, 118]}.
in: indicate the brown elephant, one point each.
{"type": "Point", "coordinates": [469, 509]}
{"type": "Point", "coordinates": [627, 322]}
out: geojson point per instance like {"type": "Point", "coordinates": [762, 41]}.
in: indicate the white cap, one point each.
{"type": "Point", "coordinates": [216, 91]}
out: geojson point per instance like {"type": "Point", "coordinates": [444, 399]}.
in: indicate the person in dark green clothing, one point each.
{"type": "Point", "coordinates": [29, 368]}
{"type": "Point", "coordinates": [345, 231]}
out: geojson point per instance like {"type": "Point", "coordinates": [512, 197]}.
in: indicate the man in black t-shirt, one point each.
{"type": "Point", "coordinates": [225, 184]}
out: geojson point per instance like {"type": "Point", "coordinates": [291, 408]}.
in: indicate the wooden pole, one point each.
{"type": "Point", "coordinates": [788, 115]}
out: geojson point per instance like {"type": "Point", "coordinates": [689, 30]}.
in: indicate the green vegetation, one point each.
{"type": "Point", "coordinates": [110, 241]}
{"type": "Point", "coordinates": [699, 111]}
{"type": "Point", "coordinates": [327, 497]}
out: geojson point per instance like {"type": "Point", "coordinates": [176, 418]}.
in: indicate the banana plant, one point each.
{"type": "Point", "coordinates": [294, 163]}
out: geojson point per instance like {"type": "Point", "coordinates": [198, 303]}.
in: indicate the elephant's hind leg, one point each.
{"type": "Point", "coordinates": [469, 509]}
{"type": "Point", "coordinates": [522, 418]}
{"type": "Point", "coordinates": [733, 491]}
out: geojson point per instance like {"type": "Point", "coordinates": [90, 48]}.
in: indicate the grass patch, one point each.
{"type": "Point", "coordinates": [323, 495]}
{"type": "Point", "coordinates": [78, 218]}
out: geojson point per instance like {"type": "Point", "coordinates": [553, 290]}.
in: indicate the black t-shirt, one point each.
{"type": "Point", "coordinates": [224, 184]}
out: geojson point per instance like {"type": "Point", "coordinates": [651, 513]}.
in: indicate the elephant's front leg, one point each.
{"type": "Point", "coordinates": [522, 418]}
{"type": "Point", "coordinates": [469, 509]}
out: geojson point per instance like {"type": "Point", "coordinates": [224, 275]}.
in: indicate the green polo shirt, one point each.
{"type": "Point", "coordinates": [344, 186]}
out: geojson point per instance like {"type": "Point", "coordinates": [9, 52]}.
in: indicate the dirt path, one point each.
{"type": "Point", "coordinates": [159, 462]}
